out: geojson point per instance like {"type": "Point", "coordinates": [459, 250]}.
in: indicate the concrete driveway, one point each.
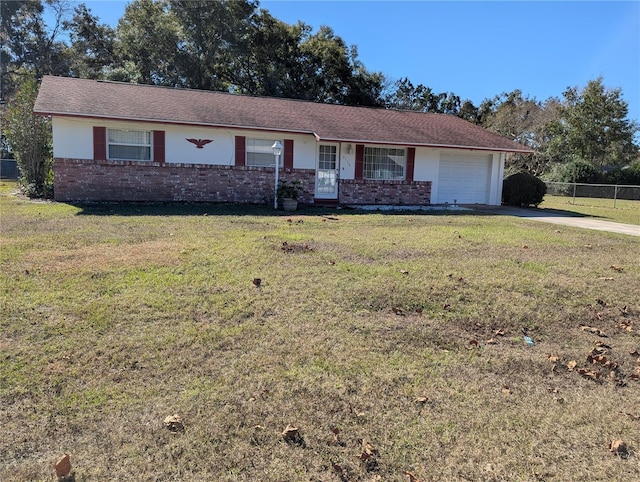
{"type": "Point", "coordinates": [569, 220]}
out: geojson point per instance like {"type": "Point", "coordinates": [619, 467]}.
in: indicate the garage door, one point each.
{"type": "Point", "coordinates": [464, 178]}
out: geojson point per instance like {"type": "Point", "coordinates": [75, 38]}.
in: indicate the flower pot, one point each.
{"type": "Point", "coordinates": [289, 204]}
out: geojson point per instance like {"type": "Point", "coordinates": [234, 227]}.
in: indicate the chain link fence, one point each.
{"type": "Point", "coordinates": [602, 191]}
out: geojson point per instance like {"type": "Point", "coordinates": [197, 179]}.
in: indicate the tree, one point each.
{"type": "Point", "coordinates": [29, 44]}
{"type": "Point", "coordinates": [92, 45]}
{"type": "Point", "coordinates": [149, 35]}
{"type": "Point", "coordinates": [595, 127]}
{"type": "Point", "coordinates": [214, 35]}
{"type": "Point", "coordinates": [421, 98]}
{"type": "Point", "coordinates": [29, 136]}
{"type": "Point", "coordinates": [269, 61]}
{"type": "Point", "coordinates": [523, 120]}
{"type": "Point", "coordinates": [334, 74]}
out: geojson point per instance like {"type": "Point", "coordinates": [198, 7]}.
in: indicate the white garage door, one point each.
{"type": "Point", "coordinates": [464, 178]}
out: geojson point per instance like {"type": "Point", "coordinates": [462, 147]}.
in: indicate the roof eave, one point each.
{"type": "Point", "coordinates": [174, 122]}
{"type": "Point", "coordinates": [522, 150]}
{"type": "Point", "coordinates": [317, 136]}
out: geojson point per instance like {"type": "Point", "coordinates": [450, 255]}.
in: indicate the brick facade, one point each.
{"type": "Point", "coordinates": [394, 193]}
{"type": "Point", "coordinates": [89, 180]}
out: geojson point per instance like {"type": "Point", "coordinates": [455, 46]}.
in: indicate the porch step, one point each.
{"type": "Point", "coordinates": [325, 202]}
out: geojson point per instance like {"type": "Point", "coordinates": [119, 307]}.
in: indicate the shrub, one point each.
{"type": "Point", "coordinates": [523, 190]}
{"type": "Point", "coordinates": [576, 170]}
{"type": "Point", "coordinates": [629, 175]}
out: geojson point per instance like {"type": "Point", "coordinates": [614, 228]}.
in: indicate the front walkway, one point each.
{"type": "Point", "coordinates": [568, 220]}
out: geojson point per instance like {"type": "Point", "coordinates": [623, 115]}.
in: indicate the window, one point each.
{"type": "Point", "coordinates": [384, 163]}
{"type": "Point", "coordinates": [260, 153]}
{"type": "Point", "coordinates": [129, 145]}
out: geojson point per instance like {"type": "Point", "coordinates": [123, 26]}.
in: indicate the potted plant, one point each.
{"type": "Point", "coordinates": [288, 192]}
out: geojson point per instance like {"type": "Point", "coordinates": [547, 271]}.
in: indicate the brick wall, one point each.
{"type": "Point", "coordinates": [396, 193]}
{"type": "Point", "coordinates": [88, 180]}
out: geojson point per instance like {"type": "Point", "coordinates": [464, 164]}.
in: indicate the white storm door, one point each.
{"type": "Point", "coordinates": [327, 172]}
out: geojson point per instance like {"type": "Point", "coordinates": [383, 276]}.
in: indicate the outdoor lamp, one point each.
{"type": "Point", "coordinates": [277, 150]}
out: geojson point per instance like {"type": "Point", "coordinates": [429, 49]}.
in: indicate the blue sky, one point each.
{"type": "Point", "coordinates": [478, 49]}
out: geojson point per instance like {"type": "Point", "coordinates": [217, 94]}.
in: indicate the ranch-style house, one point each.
{"type": "Point", "coordinates": [128, 142]}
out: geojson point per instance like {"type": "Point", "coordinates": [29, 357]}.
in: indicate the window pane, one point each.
{"type": "Point", "coordinates": [129, 145]}
{"type": "Point", "coordinates": [384, 163]}
{"type": "Point", "coordinates": [327, 157]}
{"type": "Point", "coordinates": [134, 153]}
{"type": "Point", "coordinates": [129, 137]}
{"type": "Point", "coordinates": [260, 153]}
{"type": "Point", "coordinates": [262, 159]}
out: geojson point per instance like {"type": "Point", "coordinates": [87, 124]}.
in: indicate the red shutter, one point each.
{"type": "Point", "coordinates": [158, 146]}
{"type": "Point", "coordinates": [288, 154]}
{"type": "Point", "coordinates": [241, 143]}
{"type": "Point", "coordinates": [411, 161]}
{"type": "Point", "coordinates": [99, 143]}
{"type": "Point", "coordinates": [359, 174]}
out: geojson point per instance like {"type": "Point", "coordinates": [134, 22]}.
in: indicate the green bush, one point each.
{"type": "Point", "coordinates": [576, 170]}
{"type": "Point", "coordinates": [523, 190]}
{"type": "Point", "coordinates": [629, 175]}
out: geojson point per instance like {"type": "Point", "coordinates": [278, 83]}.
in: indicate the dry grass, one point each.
{"type": "Point", "coordinates": [403, 331]}
{"type": "Point", "coordinates": [621, 211]}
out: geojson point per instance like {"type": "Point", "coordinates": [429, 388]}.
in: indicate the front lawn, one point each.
{"type": "Point", "coordinates": [394, 344]}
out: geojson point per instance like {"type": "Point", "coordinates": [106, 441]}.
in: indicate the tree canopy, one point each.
{"type": "Point", "coordinates": [235, 46]}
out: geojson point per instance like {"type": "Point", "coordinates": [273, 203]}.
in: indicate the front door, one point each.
{"type": "Point", "coordinates": [327, 172]}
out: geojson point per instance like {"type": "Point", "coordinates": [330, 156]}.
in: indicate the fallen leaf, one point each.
{"type": "Point", "coordinates": [620, 448]}
{"type": "Point", "coordinates": [491, 341]}
{"type": "Point", "coordinates": [368, 449]}
{"type": "Point", "coordinates": [506, 390]}
{"type": "Point", "coordinates": [571, 365]}
{"type": "Point", "coordinates": [257, 282]}
{"type": "Point", "coordinates": [290, 432]}
{"type": "Point", "coordinates": [398, 311]}
{"type": "Point", "coordinates": [337, 468]}
{"type": "Point", "coordinates": [174, 423]}
{"type": "Point", "coordinates": [591, 375]}
{"type": "Point", "coordinates": [619, 269]}
{"type": "Point", "coordinates": [499, 332]}
{"type": "Point", "coordinates": [63, 466]}
{"type": "Point", "coordinates": [473, 343]}
{"type": "Point", "coordinates": [635, 353]}
{"type": "Point", "coordinates": [553, 358]}
{"type": "Point", "coordinates": [594, 330]}
{"type": "Point", "coordinates": [412, 477]}
{"type": "Point", "coordinates": [525, 247]}
{"type": "Point", "coordinates": [588, 246]}
{"type": "Point", "coordinates": [421, 400]}
{"type": "Point", "coordinates": [404, 271]}
{"type": "Point", "coordinates": [625, 326]}
{"type": "Point", "coordinates": [336, 436]}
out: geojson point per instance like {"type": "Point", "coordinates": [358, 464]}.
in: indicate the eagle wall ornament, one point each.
{"type": "Point", "coordinates": [200, 143]}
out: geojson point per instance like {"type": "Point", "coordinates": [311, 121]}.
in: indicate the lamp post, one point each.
{"type": "Point", "coordinates": [277, 150]}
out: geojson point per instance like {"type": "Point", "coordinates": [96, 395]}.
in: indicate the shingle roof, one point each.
{"type": "Point", "coordinates": [328, 122]}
